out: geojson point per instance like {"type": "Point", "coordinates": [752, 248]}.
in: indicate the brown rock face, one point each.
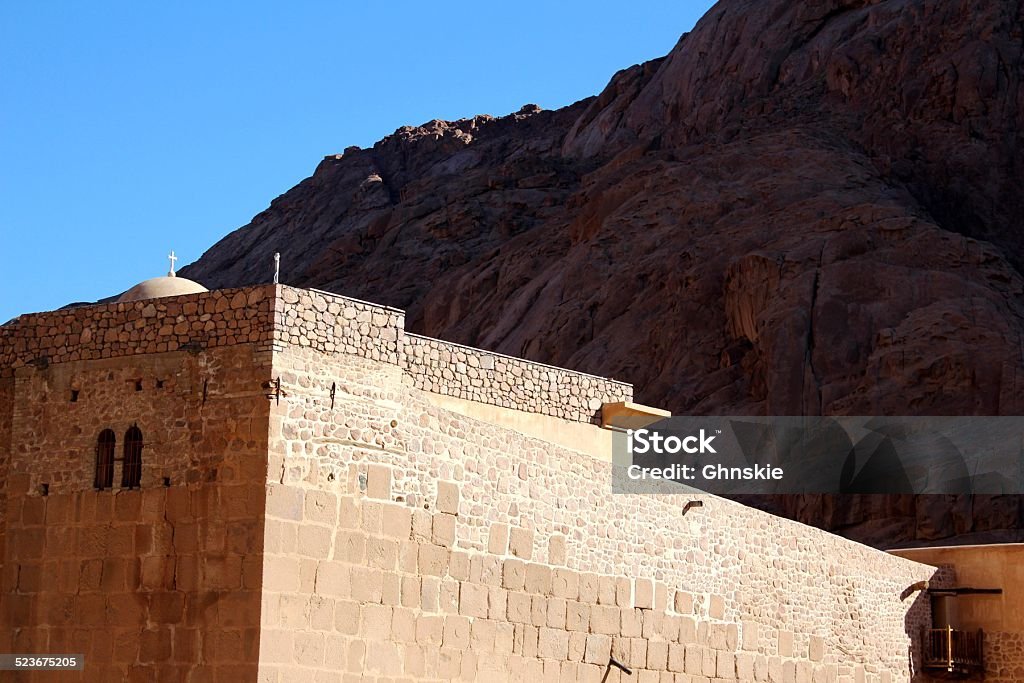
{"type": "Point", "coordinates": [805, 208]}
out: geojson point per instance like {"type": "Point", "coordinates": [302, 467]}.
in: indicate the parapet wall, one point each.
{"type": "Point", "coordinates": [452, 370]}
{"type": "Point", "coordinates": [339, 325]}
{"type": "Point", "coordinates": [283, 316]}
{"type": "Point", "coordinates": [221, 318]}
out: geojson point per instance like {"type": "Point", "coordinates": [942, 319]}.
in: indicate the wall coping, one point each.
{"type": "Point", "coordinates": [517, 359]}
{"type": "Point", "coordinates": [87, 313]}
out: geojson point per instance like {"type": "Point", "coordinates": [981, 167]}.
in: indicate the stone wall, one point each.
{"type": "Point", "coordinates": [282, 315]}
{"type": "Point", "coordinates": [336, 324]}
{"type": "Point", "coordinates": [221, 318]}
{"type": "Point", "coordinates": [472, 374]}
{"type": "Point", "coordinates": [156, 583]}
{"type": "Point", "coordinates": [1004, 657]}
{"type": "Point", "coordinates": [405, 541]}
{"type": "Point", "coordinates": [6, 418]}
{"type": "Point", "coordinates": [309, 318]}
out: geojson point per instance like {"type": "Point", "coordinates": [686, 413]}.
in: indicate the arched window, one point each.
{"type": "Point", "coordinates": [131, 467]}
{"type": "Point", "coordinates": [105, 459]}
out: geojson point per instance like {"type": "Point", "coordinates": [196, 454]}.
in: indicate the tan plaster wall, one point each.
{"type": "Point", "coordinates": [578, 436]}
{"type": "Point", "coordinates": [408, 541]}
{"type": "Point", "coordinates": [158, 583]}
{"type": "Point", "coordinates": [1000, 616]}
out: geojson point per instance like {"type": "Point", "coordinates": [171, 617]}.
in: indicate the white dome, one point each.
{"type": "Point", "coordinates": [157, 287]}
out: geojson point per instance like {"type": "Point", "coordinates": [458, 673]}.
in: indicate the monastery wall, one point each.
{"type": "Point", "coordinates": [353, 521]}
{"type": "Point", "coordinates": [332, 323]}
{"type": "Point", "coordinates": [408, 542]}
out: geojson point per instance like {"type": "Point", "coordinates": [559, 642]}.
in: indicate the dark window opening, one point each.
{"type": "Point", "coordinates": [138, 385]}
{"type": "Point", "coordinates": [105, 459]}
{"type": "Point", "coordinates": [159, 384]}
{"type": "Point", "coordinates": [131, 466]}
{"type": "Point", "coordinates": [74, 395]}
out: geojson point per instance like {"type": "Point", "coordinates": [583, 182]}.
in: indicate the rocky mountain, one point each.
{"type": "Point", "coordinates": [806, 207]}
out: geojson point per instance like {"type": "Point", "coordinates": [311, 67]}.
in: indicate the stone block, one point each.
{"type": "Point", "coordinates": [520, 608]}
{"type": "Point", "coordinates": [631, 622]}
{"type": "Point", "coordinates": [314, 541]}
{"type": "Point", "coordinates": [447, 497]}
{"type": "Point", "coordinates": [350, 546]}
{"type": "Point", "coordinates": [751, 635]}
{"type": "Point", "coordinates": [459, 566]}
{"type": "Point", "coordinates": [694, 664]}
{"type": "Point", "coordinates": [785, 643]}
{"type": "Point", "coordinates": [497, 602]}
{"type": "Point", "coordinates": [430, 593]}
{"type": "Point", "coordinates": [382, 553]}
{"type": "Point", "coordinates": [538, 579]}
{"type": "Point", "coordinates": [473, 600]}
{"type": "Point", "coordinates": [410, 591]}
{"type": "Point", "coordinates": [391, 589]}
{"type": "Point", "coordinates": [604, 619]}
{"type": "Point", "coordinates": [676, 657]}
{"type": "Point", "coordinates": [376, 624]}
{"type": "Point", "coordinates": [657, 655]}
{"type": "Point", "coordinates": [556, 613]}
{"type": "Point", "coordinates": [716, 607]}
{"type": "Point", "coordinates": [725, 665]}
{"type": "Point", "coordinates": [553, 644]}
{"type": "Point", "coordinates": [513, 575]}
{"type": "Point", "coordinates": [497, 539]}
{"type": "Point", "coordinates": [321, 507]}
{"type": "Point", "coordinates": [589, 588]}
{"type": "Point", "coordinates": [456, 632]}
{"type": "Point", "coordinates": [538, 610]}
{"type": "Point", "coordinates": [396, 522]}
{"type": "Point", "coordinates": [422, 526]}
{"type": "Point", "coordinates": [333, 580]}
{"type": "Point", "coordinates": [686, 628]}
{"type": "Point", "coordinates": [643, 594]}
{"type": "Point", "coordinates": [598, 649]}
{"type": "Point", "coordinates": [367, 584]}
{"type": "Point", "coordinates": [557, 549]}
{"type": "Point", "coordinates": [577, 615]}
{"type": "Point", "coordinates": [443, 532]}
{"type": "Point", "coordinates": [565, 583]}
{"type": "Point", "coordinates": [816, 649]}
{"type": "Point", "coordinates": [429, 630]}
{"type": "Point", "coordinates": [520, 542]}
{"type": "Point", "coordinates": [433, 560]}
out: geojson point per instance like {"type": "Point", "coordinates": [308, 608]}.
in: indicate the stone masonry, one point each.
{"type": "Point", "coordinates": [308, 513]}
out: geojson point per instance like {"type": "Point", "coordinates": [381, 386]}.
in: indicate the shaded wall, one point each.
{"type": "Point", "coordinates": [156, 583]}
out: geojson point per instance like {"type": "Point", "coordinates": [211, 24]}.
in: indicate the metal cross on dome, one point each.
{"type": "Point", "coordinates": [172, 258]}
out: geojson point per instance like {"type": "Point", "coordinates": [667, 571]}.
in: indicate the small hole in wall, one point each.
{"type": "Point", "coordinates": [74, 395]}
{"type": "Point", "coordinates": [44, 489]}
{"type": "Point", "coordinates": [138, 385]}
{"type": "Point", "coordinates": [159, 384]}
{"type": "Point", "coordinates": [394, 423]}
{"type": "Point", "coordinates": [362, 481]}
{"type": "Point", "coordinates": [167, 482]}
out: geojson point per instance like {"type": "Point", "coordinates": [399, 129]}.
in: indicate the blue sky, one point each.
{"type": "Point", "coordinates": [131, 128]}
